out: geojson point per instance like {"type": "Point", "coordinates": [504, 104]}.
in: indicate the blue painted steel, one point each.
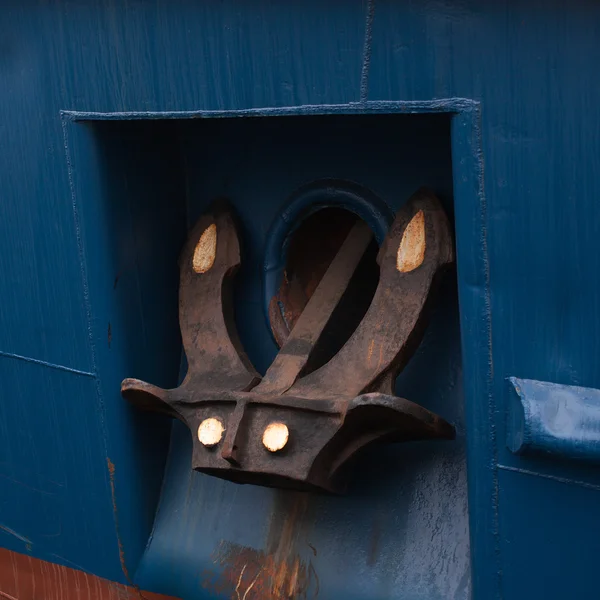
{"type": "Point", "coordinates": [562, 420]}
{"type": "Point", "coordinates": [87, 202]}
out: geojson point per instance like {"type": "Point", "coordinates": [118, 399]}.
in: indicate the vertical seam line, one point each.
{"type": "Point", "coordinates": [490, 367]}
{"type": "Point", "coordinates": [366, 62]}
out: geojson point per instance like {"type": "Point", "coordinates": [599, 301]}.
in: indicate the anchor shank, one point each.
{"type": "Point", "coordinates": [301, 341]}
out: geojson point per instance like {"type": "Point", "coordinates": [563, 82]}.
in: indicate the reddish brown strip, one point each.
{"type": "Point", "coordinates": [25, 578]}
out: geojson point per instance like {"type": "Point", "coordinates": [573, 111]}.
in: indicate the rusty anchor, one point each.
{"type": "Point", "coordinates": [291, 430]}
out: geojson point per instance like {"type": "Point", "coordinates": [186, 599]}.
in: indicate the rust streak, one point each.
{"type": "Point", "coordinates": [111, 474]}
{"type": "Point", "coordinates": [283, 571]}
{"type": "Point", "coordinates": [252, 584]}
{"type": "Point", "coordinates": [261, 575]}
{"type": "Point", "coordinates": [371, 348]}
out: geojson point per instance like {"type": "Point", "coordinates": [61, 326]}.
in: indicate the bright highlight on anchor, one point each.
{"type": "Point", "coordinates": [210, 432]}
{"type": "Point", "coordinates": [411, 252]}
{"type": "Point", "coordinates": [275, 437]}
{"type": "Point", "coordinates": [206, 250]}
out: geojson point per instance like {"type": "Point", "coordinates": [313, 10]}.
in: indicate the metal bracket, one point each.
{"type": "Point", "coordinates": [548, 419]}
{"type": "Point", "coordinates": [292, 430]}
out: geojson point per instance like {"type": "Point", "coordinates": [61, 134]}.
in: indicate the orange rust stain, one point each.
{"type": "Point", "coordinates": [371, 348]}
{"type": "Point", "coordinates": [283, 572]}
{"type": "Point", "coordinates": [111, 474]}
{"type": "Point", "coordinates": [250, 574]}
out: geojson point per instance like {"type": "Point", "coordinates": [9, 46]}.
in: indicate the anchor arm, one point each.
{"type": "Point", "coordinates": [417, 247]}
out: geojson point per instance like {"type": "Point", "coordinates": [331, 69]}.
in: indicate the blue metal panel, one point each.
{"type": "Point", "coordinates": [52, 470]}
{"type": "Point", "coordinates": [532, 67]}
{"type": "Point", "coordinates": [542, 517]}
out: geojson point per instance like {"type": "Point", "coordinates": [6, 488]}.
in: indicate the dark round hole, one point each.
{"type": "Point", "coordinates": [311, 248]}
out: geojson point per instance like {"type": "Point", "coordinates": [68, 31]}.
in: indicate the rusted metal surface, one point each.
{"type": "Point", "coordinates": [283, 570]}
{"type": "Point", "coordinates": [312, 248]}
{"type": "Point", "coordinates": [250, 574]}
{"type": "Point", "coordinates": [332, 412]}
{"type": "Point", "coordinates": [25, 578]}
{"type": "Point", "coordinates": [309, 326]}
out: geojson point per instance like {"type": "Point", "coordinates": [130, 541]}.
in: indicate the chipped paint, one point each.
{"type": "Point", "coordinates": [17, 535]}
{"type": "Point", "coordinates": [206, 250]}
{"type": "Point", "coordinates": [411, 252]}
